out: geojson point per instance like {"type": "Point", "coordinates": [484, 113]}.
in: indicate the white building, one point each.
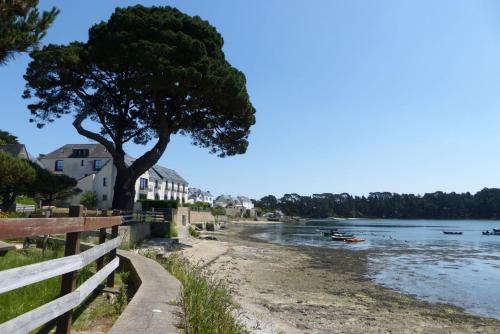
{"type": "Point", "coordinates": [92, 166]}
{"type": "Point", "coordinates": [227, 201]}
{"type": "Point", "coordinates": [198, 195]}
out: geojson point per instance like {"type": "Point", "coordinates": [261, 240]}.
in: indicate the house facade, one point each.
{"type": "Point", "coordinates": [198, 195]}
{"type": "Point", "coordinates": [16, 150]}
{"type": "Point", "coordinates": [228, 201]}
{"type": "Point", "coordinates": [92, 166]}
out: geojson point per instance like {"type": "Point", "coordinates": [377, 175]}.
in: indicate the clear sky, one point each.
{"type": "Point", "coordinates": [351, 96]}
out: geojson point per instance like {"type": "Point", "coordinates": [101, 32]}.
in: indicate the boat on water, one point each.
{"type": "Point", "coordinates": [494, 232]}
{"type": "Point", "coordinates": [340, 238]}
{"type": "Point", "coordinates": [453, 232]}
{"type": "Point", "coordinates": [328, 232]}
{"type": "Point", "coordinates": [354, 240]}
{"type": "Point", "coordinates": [342, 234]}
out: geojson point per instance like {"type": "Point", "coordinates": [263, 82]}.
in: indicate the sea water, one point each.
{"type": "Point", "coordinates": [415, 257]}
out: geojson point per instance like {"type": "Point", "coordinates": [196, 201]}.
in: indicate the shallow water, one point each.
{"type": "Point", "coordinates": [415, 257]}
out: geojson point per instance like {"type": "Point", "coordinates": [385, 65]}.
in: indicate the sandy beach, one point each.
{"type": "Point", "coordinates": [310, 290]}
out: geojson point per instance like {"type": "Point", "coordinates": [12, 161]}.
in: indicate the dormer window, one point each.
{"type": "Point", "coordinates": [80, 153]}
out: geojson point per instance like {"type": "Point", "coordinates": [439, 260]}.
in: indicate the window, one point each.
{"type": "Point", "coordinates": [97, 165]}
{"type": "Point", "coordinates": [156, 183]}
{"type": "Point", "coordinates": [104, 182]}
{"type": "Point", "coordinates": [81, 163]}
{"type": "Point", "coordinates": [157, 197]}
{"type": "Point", "coordinates": [143, 196]}
{"type": "Point", "coordinates": [104, 197]}
{"type": "Point", "coordinates": [59, 166]}
{"type": "Point", "coordinates": [80, 153]}
{"type": "Point", "coordinates": [143, 183]}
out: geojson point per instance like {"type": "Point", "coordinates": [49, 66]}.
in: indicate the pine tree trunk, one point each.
{"type": "Point", "coordinates": [124, 192]}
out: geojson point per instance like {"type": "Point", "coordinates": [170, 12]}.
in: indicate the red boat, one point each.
{"type": "Point", "coordinates": [354, 240]}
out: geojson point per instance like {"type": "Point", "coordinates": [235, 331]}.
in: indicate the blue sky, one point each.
{"type": "Point", "coordinates": [351, 96]}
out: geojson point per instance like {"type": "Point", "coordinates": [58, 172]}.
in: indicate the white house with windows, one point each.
{"type": "Point", "coordinates": [228, 201]}
{"type": "Point", "coordinates": [198, 195]}
{"type": "Point", "coordinates": [92, 166]}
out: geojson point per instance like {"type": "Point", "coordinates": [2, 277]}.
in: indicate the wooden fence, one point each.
{"type": "Point", "coordinates": [66, 266]}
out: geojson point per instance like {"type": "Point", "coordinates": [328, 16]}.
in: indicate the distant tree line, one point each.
{"type": "Point", "coordinates": [484, 204]}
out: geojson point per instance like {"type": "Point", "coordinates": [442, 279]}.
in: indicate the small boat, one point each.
{"type": "Point", "coordinates": [339, 238]}
{"type": "Point", "coordinates": [354, 240]}
{"type": "Point", "coordinates": [342, 234]}
{"type": "Point", "coordinates": [328, 232]}
{"type": "Point", "coordinates": [494, 232]}
{"type": "Point", "coordinates": [453, 232]}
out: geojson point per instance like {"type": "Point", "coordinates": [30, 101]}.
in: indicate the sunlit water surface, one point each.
{"type": "Point", "coordinates": [415, 257]}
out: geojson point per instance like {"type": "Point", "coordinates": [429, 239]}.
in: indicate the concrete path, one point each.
{"type": "Point", "coordinates": [152, 309]}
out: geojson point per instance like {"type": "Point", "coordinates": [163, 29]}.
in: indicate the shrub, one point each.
{"type": "Point", "coordinates": [11, 215]}
{"type": "Point", "coordinates": [218, 211]}
{"type": "Point", "coordinates": [206, 302]}
{"type": "Point", "coordinates": [193, 232]}
{"type": "Point", "coordinates": [173, 230]}
{"type": "Point", "coordinates": [89, 199]}
{"type": "Point", "coordinates": [148, 204]}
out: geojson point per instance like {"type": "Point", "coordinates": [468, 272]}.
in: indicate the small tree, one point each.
{"type": "Point", "coordinates": [146, 73]}
{"type": "Point", "coordinates": [15, 177]}
{"type": "Point", "coordinates": [7, 138]}
{"type": "Point", "coordinates": [50, 186]}
{"type": "Point", "coordinates": [22, 26]}
{"type": "Point", "coordinates": [89, 199]}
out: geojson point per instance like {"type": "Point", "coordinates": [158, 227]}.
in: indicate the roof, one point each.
{"type": "Point", "coordinates": [194, 192]}
{"type": "Point", "coordinates": [16, 150]}
{"type": "Point", "coordinates": [159, 172]}
{"type": "Point", "coordinates": [66, 151]}
{"type": "Point", "coordinates": [99, 151]}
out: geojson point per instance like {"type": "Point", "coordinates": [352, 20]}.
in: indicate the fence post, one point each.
{"type": "Point", "coordinates": [102, 239]}
{"type": "Point", "coordinates": [112, 254]}
{"type": "Point", "coordinates": [68, 283]}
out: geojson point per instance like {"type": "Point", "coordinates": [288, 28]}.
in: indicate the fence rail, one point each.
{"type": "Point", "coordinates": [67, 266]}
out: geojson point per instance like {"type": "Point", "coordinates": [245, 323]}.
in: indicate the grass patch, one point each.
{"type": "Point", "coordinates": [207, 304]}
{"type": "Point", "coordinates": [96, 309]}
{"type": "Point", "coordinates": [193, 232]}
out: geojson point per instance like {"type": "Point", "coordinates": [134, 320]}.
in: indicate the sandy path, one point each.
{"type": "Point", "coordinates": [288, 290]}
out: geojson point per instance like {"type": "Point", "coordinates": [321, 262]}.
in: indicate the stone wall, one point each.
{"type": "Point", "coordinates": [200, 217]}
{"type": "Point", "coordinates": [133, 233]}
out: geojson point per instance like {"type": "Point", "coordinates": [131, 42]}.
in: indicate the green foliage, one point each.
{"type": "Point", "coordinates": [193, 232]}
{"type": "Point", "coordinates": [16, 175]}
{"type": "Point", "coordinates": [89, 199]}
{"type": "Point", "coordinates": [207, 304]}
{"type": "Point", "coordinates": [200, 205]}
{"type": "Point", "coordinates": [122, 298]}
{"type": "Point", "coordinates": [145, 74]}
{"type": "Point", "coordinates": [7, 138]}
{"type": "Point", "coordinates": [25, 201]}
{"type": "Point", "coordinates": [50, 186]}
{"type": "Point", "coordinates": [12, 215]}
{"type": "Point", "coordinates": [268, 203]}
{"type": "Point", "coordinates": [22, 26]}
{"type": "Point", "coordinates": [173, 233]}
{"type": "Point", "coordinates": [485, 204]}
{"type": "Point", "coordinates": [218, 211]}
{"type": "Point", "coordinates": [148, 204]}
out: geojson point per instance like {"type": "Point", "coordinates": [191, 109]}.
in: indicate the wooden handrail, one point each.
{"type": "Point", "coordinates": [67, 266]}
{"type": "Point", "coordinates": [43, 314]}
{"type": "Point", "coordinates": [28, 227]}
{"type": "Point", "coordinates": [21, 276]}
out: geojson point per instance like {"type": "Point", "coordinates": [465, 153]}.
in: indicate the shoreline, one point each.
{"type": "Point", "coordinates": [299, 289]}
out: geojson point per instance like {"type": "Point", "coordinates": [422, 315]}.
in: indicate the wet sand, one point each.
{"type": "Point", "coordinates": [311, 290]}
